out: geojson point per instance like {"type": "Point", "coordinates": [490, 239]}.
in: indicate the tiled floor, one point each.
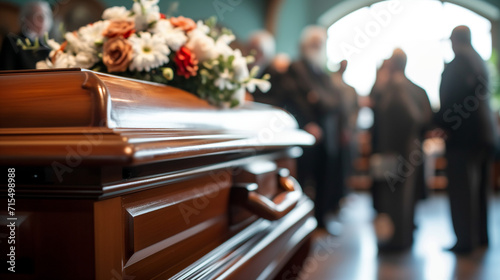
{"type": "Point", "coordinates": [353, 255]}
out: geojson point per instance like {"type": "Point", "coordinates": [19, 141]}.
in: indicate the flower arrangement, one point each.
{"type": "Point", "coordinates": [142, 43]}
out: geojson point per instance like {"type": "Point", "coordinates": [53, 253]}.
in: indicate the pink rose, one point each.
{"type": "Point", "coordinates": [185, 24]}
{"type": "Point", "coordinates": [117, 54]}
{"type": "Point", "coordinates": [123, 28]}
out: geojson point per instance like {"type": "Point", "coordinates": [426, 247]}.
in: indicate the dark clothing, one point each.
{"type": "Point", "coordinates": [398, 120]}
{"type": "Point", "coordinates": [275, 96]}
{"type": "Point", "coordinates": [310, 96]}
{"type": "Point", "coordinates": [13, 57]}
{"type": "Point", "coordinates": [468, 182]}
{"type": "Point", "coordinates": [422, 101]}
{"type": "Point", "coordinates": [466, 116]}
{"type": "Point", "coordinates": [348, 151]}
{"type": "Point", "coordinates": [465, 112]}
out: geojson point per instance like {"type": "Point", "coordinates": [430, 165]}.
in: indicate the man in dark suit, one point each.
{"type": "Point", "coordinates": [350, 108]}
{"type": "Point", "coordinates": [466, 117]}
{"type": "Point", "coordinates": [312, 99]}
{"type": "Point", "coordinates": [36, 20]}
{"type": "Point", "coordinates": [398, 119]}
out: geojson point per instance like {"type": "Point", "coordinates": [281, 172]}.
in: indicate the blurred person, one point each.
{"type": "Point", "coordinates": [349, 143]}
{"type": "Point", "coordinates": [281, 62]}
{"type": "Point", "coordinates": [398, 120]}
{"type": "Point", "coordinates": [421, 99]}
{"type": "Point", "coordinates": [263, 46]}
{"type": "Point", "coordinates": [311, 97]}
{"type": "Point", "coordinates": [466, 118]}
{"type": "Point", "coordinates": [277, 71]}
{"type": "Point", "coordinates": [36, 21]}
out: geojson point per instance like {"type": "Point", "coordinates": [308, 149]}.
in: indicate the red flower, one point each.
{"type": "Point", "coordinates": [163, 16]}
{"type": "Point", "coordinates": [187, 64]}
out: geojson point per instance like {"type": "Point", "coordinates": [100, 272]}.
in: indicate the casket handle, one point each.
{"type": "Point", "coordinates": [245, 194]}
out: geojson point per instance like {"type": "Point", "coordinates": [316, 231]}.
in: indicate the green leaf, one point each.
{"type": "Point", "coordinates": [234, 103]}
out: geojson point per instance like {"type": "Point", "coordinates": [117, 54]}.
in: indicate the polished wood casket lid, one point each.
{"type": "Point", "coordinates": [114, 120]}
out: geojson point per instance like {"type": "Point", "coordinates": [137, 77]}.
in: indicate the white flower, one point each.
{"type": "Point", "coordinates": [201, 27]}
{"type": "Point", "coordinates": [240, 96]}
{"type": "Point", "coordinates": [224, 81]}
{"type": "Point", "coordinates": [76, 44]}
{"type": "Point", "coordinates": [175, 38]}
{"type": "Point", "coordinates": [240, 67]}
{"type": "Point", "coordinates": [64, 60]}
{"type": "Point", "coordinates": [53, 44]}
{"type": "Point", "coordinates": [161, 27]}
{"type": "Point", "coordinates": [149, 52]}
{"type": "Point", "coordinates": [202, 46]}
{"type": "Point", "coordinates": [92, 33]}
{"type": "Point", "coordinates": [263, 85]}
{"type": "Point", "coordinates": [43, 64]}
{"type": "Point", "coordinates": [226, 38]}
{"type": "Point", "coordinates": [85, 59]}
{"type": "Point", "coordinates": [116, 13]}
{"type": "Point", "coordinates": [146, 12]}
{"type": "Point", "coordinates": [221, 48]}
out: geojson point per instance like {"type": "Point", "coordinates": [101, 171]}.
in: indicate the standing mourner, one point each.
{"type": "Point", "coordinates": [312, 99]}
{"type": "Point", "coordinates": [467, 120]}
{"type": "Point", "coordinates": [398, 120]}
{"type": "Point", "coordinates": [36, 21]}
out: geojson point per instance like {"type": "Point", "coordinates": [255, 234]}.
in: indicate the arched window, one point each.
{"type": "Point", "coordinates": [368, 35]}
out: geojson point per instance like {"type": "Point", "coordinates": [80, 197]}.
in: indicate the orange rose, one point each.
{"type": "Point", "coordinates": [117, 54]}
{"type": "Point", "coordinates": [123, 28]}
{"type": "Point", "coordinates": [185, 24]}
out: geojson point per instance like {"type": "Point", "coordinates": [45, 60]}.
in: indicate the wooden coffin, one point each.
{"type": "Point", "coordinates": [122, 179]}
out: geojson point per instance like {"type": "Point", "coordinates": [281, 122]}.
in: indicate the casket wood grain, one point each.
{"type": "Point", "coordinates": [123, 179]}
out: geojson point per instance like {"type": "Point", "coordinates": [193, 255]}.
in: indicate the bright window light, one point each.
{"type": "Point", "coordinates": [421, 28]}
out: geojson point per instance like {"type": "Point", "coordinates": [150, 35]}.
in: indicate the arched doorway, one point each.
{"type": "Point", "coordinates": [369, 34]}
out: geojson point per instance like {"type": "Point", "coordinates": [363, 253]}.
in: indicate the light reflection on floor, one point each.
{"type": "Point", "coordinates": [355, 255]}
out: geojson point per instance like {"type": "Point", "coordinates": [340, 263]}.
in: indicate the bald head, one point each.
{"type": "Point", "coordinates": [398, 60]}
{"type": "Point", "coordinates": [461, 35]}
{"type": "Point", "coordinates": [460, 39]}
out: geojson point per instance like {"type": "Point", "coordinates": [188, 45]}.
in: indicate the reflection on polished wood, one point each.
{"type": "Point", "coordinates": [354, 255]}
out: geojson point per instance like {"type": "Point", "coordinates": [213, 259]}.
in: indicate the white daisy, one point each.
{"type": "Point", "coordinates": [202, 46]}
{"type": "Point", "coordinates": [146, 12]}
{"type": "Point", "coordinates": [175, 38]}
{"type": "Point", "coordinates": [149, 52]}
{"type": "Point", "coordinates": [92, 33]}
{"type": "Point", "coordinates": [76, 44]}
{"type": "Point", "coordinates": [116, 13]}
